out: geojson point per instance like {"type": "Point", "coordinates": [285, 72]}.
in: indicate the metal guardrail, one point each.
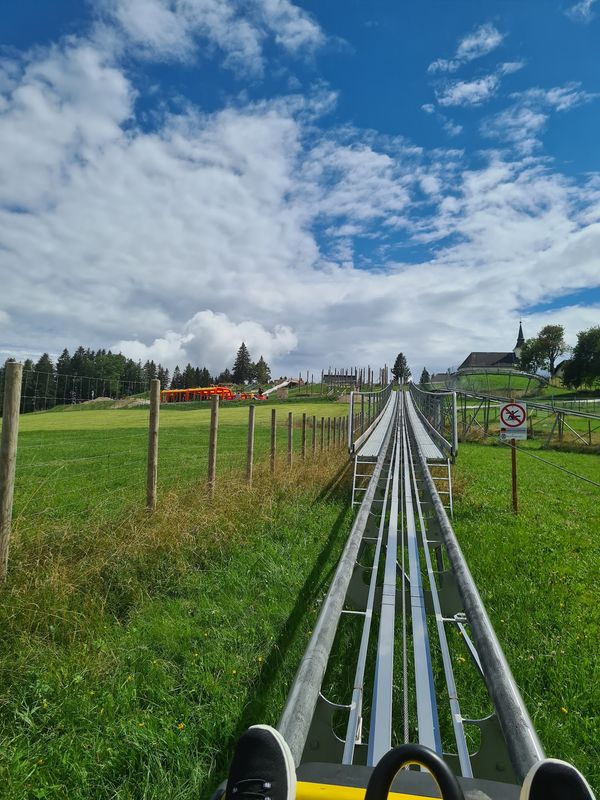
{"type": "Point", "coordinates": [364, 412]}
{"type": "Point", "coordinates": [438, 411]}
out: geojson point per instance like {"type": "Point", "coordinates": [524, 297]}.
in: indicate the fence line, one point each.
{"type": "Point", "coordinates": [81, 468]}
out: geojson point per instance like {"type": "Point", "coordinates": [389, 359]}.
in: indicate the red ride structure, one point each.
{"type": "Point", "coordinates": [187, 395]}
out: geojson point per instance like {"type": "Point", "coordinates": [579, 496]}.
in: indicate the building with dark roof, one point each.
{"type": "Point", "coordinates": [479, 360]}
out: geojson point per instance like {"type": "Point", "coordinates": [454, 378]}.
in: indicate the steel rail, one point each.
{"type": "Point", "coordinates": [387, 391]}
{"type": "Point", "coordinates": [427, 715]}
{"type": "Point", "coordinates": [452, 445]}
{"type": "Point", "coordinates": [355, 715]}
{"type": "Point", "coordinates": [380, 734]}
{"type": "Point", "coordinates": [298, 711]}
{"type": "Point", "coordinates": [523, 745]}
{"type": "Point", "coordinates": [455, 713]}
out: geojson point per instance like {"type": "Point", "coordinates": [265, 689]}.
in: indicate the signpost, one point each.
{"type": "Point", "coordinates": [513, 426]}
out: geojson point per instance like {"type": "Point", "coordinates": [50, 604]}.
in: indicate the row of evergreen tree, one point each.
{"type": "Point", "coordinates": [90, 374]}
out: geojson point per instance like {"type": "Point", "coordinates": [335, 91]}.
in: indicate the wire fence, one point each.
{"type": "Point", "coordinates": [86, 460]}
{"type": "Point", "coordinates": [438, 410]}
{"type": "Point", "coordinates": [562, 425]}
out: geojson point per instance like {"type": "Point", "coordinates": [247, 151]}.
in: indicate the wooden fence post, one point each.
{"type": "Point", "coordinates": [8, 457]}
{"type": "Point", "coordinates": [212, 443]}
{"type": "Point", "coordinates": [322, 432]}
{"type": "Point", "coordinates": [273, 439]}
{"type": "Point", "coordinates": [290, 438]}
{"type": "Point", "coordinates": [304, 437]}
{"type": "Point", "coordinates": [328, 432]}
{"type": "Point", "coordinates": [152, 475]}
{"type": "Point", "coordinates": [250, 448]}
{"type": "Point", "coordinates": [314, 435]}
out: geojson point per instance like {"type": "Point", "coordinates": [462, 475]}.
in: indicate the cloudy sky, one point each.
{"type": "Point", "coordinates": [331, 181]}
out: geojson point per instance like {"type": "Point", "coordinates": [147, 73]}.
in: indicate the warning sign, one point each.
{"type": "Point", "coordinates": [513, 421]}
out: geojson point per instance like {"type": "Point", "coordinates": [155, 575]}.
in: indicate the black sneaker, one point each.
{"type": "Point", "coordinates": [262, 767]}
{"type": "Point", "coordinates": [552, 779]}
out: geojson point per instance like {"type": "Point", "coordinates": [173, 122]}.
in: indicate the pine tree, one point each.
{"type": "Point", "coordinates": [425, 378]}
{"type": "Point", "coordinates": [225, 377]}
{"type": "Point", "coordinates": [204, 378]}
{"type": "Point", "coordinates": [63, 367]}
{"type": "Point", "coordinates": [261, 371]}
{"type": "Point", "coordinates": [176, 380]}
{"type": "Point", "coordinates": [162, 373]}
{"type": "Point", "coordinates": [401, 370]}
{"type": "Point", "coordinates": [45, 384]}
{"type": "Point", "coordinates": [189, 377]}
{"type": "Point", "coordinates": [242, 368]}
{"type": "Point", "coordinates": [149, 371]}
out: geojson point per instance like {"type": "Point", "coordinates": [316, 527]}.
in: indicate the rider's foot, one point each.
{"type": "Point", "coordinates": [552, 779]}
{"type": "Point", "coordinates": [262, 767]}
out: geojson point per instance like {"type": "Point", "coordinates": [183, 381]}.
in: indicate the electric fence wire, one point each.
{"type": "Point", "coordinates": [543, 460]}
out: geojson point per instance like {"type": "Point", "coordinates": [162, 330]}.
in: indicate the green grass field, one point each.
{"type": "Point", "coordinates": [135, 648]}
{"type": "Point", "coordinates": [538, 574]}
{"type": "Point", "coordinates": [81, 461]}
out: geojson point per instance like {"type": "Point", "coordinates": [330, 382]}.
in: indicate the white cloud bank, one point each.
{"type": "Point", "coordinates": [178, 242]}
{"type": "Point", "coordinates": [213, 340]}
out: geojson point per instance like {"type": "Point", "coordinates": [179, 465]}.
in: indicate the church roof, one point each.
{"type": "Point", "coordinates": [488, 360]}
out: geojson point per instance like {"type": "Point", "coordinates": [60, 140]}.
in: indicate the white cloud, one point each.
{"type": "Point", "coordinates": [479, 43]}
{"type": "Point", "coordinates": [560, 98]}
{"type": "Point", "coordinates": [523, 122]}
{"type": "Point", "coordinates": [212, 340]}
{"type": "Point", "coordinates": [176, 29]}
{"type": "Point", "coordinates": [468, 93]}
{"type": "Point", "coordinates": [178, 242]}
{"type": "Point", "coordinates": [582, 11]}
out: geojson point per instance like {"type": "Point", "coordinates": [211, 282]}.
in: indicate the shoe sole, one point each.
{"type": "Point", "coordinates": [290, 766]}
{"type": "Point", "coordinates": [526, 788]}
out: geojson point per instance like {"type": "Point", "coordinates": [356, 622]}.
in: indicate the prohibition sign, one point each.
{"type": "Point", "coordinates": [513, 415]}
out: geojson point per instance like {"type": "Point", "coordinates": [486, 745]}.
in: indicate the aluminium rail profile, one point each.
{"type": "Point", "coordinates": [522, 742]}
{"type": "Point", "coordinates": [380, 399]}
{"type": "Point", "coordinates": [295, 720]}
{"type": "Point", "coordinates": [512, 743]}
{"type": "Point", "coordinates": [451, 445]}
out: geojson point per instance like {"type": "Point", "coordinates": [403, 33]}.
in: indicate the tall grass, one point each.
{"type": "Point", "coordinates": [538, 573]}
{"type": "Point", "coordinates": [133, 654]}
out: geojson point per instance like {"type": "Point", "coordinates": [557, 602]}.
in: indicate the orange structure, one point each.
{"type": "Point", "coordinates": [187, 395]}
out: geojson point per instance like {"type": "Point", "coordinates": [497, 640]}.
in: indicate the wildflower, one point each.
{"type": "Point", "coordinates": [129, 678]}
{"type": "Point", "coordinates": [181, 726]}
{"type": "Point", "coordinates": [461, 659]}
{"type": "Point", "coordinates": [40, 761]}
{"type": "Point", "coordinates": [260, 659]}
{"type": "Point", "coordinates": [234, 671]}
{"type": "Point", "coordinates": [564, 710]}
{"type": "Point", "coordinates": [45, 704]}
{"type": "Point", "coordinates": [141, 724]}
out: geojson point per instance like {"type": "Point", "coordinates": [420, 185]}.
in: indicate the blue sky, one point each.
{"type": "Point", "coordinates": [330, 181]}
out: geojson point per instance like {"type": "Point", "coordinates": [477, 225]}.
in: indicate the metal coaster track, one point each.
{"type": "Point", "coordinates": [415, 593]}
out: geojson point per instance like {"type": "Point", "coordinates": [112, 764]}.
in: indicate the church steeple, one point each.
{"type": "Point", "coordinates": [520, 341]}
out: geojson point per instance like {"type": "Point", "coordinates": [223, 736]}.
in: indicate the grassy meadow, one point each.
{"type": "Point", "coordinates": [538, 574]}
{"type": "Point", "coordinates": [88, 462]}
{"type": "Point", "coordinates": [136, 647]}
